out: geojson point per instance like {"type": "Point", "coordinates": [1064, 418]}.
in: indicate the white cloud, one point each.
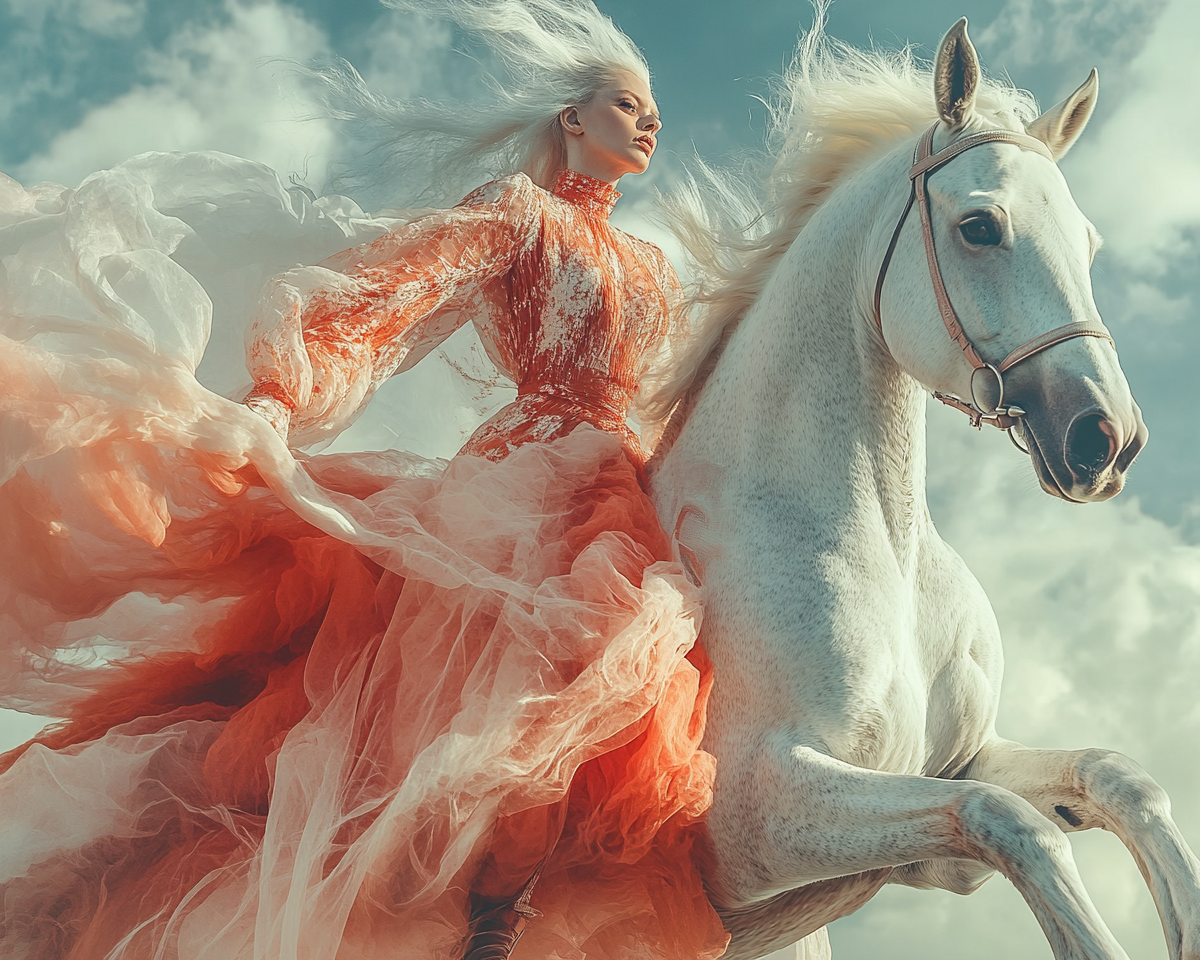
{"type": "Point", "coordinates": [1100, 612]}
{"type": "Point", "coordinates": [106, 18]}
{"type": "Point", "coordinates": [1136, 172]}
{"type": "Point", "coordinates": [1099, 605]}
{"type": "Point", "coordinates": [210, 90]}
{"type": "Point", "coordinates": [1036, 32]}
{"type": "Point", "coordinates": [1145, 300]}
{"type": "Point", "coordinates": [16, 728]}
{"type": "Point", "coordinates": [1138, 175]}
{"type": "Point", "coordinates": [408, 55]}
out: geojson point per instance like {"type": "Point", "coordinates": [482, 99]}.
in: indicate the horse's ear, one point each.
{"type": "Point", "coordinates": [956, 76]}
{"type": "Point", "coordinates": [1060, 126]}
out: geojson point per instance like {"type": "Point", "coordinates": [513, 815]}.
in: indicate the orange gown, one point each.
{"type": "Point", "coordinates": [487, 665]}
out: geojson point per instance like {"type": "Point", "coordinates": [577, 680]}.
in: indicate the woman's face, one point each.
{"type": "Point", "coordinates": [614, 133]}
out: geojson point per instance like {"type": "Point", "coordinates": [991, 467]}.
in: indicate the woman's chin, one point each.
{"type": "Point", "coordinates": [641, 164]}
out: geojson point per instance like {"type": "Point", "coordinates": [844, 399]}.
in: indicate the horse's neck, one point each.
{"type": "Point", "coordinates": [817, 405]}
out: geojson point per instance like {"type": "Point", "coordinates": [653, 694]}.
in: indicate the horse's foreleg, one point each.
{"type": "Point", "coordinates": [1080, 789]}
{"type": "Point", "coordinates": [800, 816]}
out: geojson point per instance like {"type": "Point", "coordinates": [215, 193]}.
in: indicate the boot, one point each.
{"type": "Point", "coordinates": [496, 927]}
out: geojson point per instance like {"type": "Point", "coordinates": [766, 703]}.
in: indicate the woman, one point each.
{"type": "Point", "coordinates": [370, 706]}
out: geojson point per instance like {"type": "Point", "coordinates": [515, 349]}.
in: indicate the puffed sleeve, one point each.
{"type": "Point", "coordinates": [671, 337]}
{"type": "Point", "coordinates": [675, 324]}
{"type": "Point", "coordinates": [326, 336]}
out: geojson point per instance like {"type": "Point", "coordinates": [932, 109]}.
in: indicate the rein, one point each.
{"type": "Point", "coordinates": [926, 162]}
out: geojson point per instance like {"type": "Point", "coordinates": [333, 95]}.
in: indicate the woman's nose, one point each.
{"type": "Point", "coordinates": [650, 123]}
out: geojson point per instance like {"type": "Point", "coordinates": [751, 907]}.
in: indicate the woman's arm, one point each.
{"type": "Point", "coordinates": [326, 336]}
{"type": "Point", "coordinates": [661, 360]}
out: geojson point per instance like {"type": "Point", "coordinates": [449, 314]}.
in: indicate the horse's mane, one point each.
{"type": "Point", "coordinates": [835, 108]}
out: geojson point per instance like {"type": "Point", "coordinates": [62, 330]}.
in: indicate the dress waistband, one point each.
{"type": "Point", "coordinates": [596, 395]}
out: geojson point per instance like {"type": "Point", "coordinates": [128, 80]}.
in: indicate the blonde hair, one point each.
{"type": "Point", "coordinates": [556, 54]}
{"type": "Point", "coordinates": [835, 109]}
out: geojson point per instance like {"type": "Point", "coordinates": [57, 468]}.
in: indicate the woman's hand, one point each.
{"type": "Point", "coordinates": [277, 413]}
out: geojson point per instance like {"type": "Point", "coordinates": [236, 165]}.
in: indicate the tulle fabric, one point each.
{"type": "Point", "coordinates": [310, 706]}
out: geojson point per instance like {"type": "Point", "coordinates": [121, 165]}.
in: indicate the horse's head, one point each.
{"type": "Point", "coordinates": [1013, 253]}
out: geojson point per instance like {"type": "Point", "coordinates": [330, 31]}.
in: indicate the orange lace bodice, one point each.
{"type": "Point", "coordinates": [567, 306]}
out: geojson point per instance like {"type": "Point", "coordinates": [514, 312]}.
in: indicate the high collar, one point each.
{"type": "Point", "coordinates": [594, 196]}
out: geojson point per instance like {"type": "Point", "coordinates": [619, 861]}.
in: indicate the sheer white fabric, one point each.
{"type": "Point", "coordinates": [445, 662]}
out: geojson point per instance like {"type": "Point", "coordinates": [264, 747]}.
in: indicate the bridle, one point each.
{"type": "Point", "coordinates": [925, 162]}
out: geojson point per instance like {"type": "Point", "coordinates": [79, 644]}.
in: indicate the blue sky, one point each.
{"type": "Point", "coordinates": [1099, 605]}
{"type": "Point", "coordinates": [88, 81]}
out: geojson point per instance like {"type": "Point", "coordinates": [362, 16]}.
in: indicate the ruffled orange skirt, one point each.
{"type": "Point", "coordinates": [309, 748]}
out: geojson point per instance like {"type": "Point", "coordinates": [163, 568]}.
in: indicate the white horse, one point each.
{"type": "Point", "coordinates": [858, 660]}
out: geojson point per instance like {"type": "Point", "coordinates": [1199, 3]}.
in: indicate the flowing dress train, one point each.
{"type": "Point", "coordinates": [315, 707]}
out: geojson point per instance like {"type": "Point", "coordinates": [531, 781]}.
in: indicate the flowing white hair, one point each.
{"type": "Point", "coordinates": [556, 54]}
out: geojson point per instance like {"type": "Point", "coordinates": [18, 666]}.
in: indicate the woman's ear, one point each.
{"type": "Point", "coordinates": [571, 121]}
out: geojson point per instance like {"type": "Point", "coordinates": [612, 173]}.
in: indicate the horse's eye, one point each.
{"type": "Point", "coordinates": [981, 230]}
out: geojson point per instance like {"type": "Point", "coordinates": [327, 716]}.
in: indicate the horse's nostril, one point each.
{"type": "Point", "coordinates": [1091, 445]}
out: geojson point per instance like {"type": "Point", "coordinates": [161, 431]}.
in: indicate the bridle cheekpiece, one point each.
{"type": "Point", "coordinates": [925, 162]}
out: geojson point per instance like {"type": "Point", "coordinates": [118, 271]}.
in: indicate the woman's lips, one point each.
{"type": "Point", "coordinates": [646, 144]}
